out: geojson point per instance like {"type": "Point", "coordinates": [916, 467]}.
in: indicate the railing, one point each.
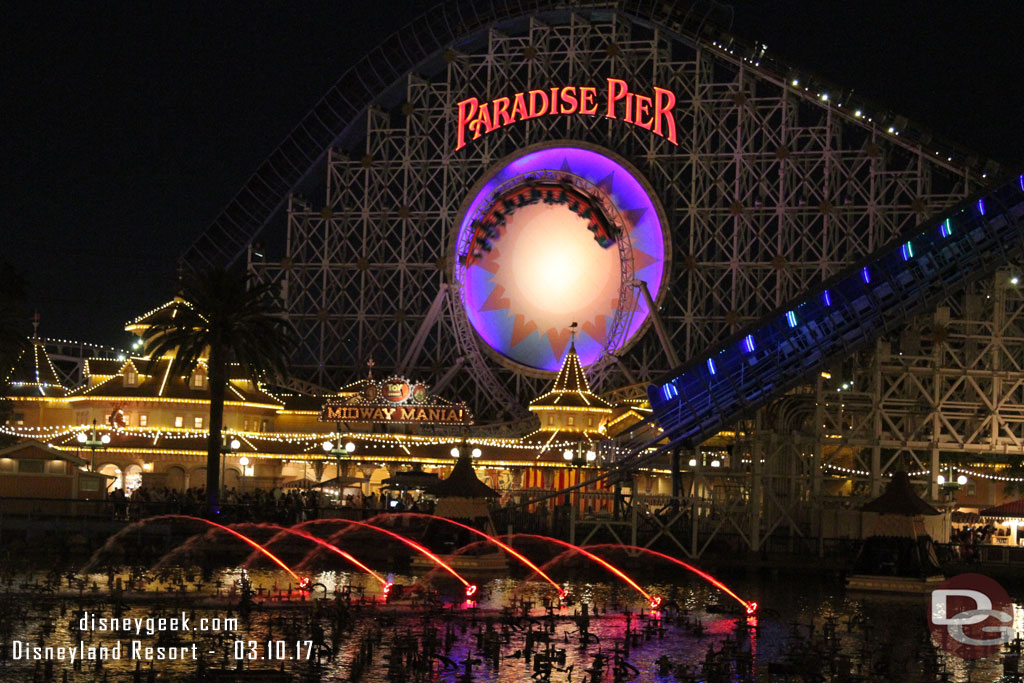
{"type": "Point", "coordinates": [874, 296]}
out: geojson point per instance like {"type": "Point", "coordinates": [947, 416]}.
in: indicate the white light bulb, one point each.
{"type": "Point", "coordinates": [962, 480]}
{"type": "Point", "coordinates": [567, 454]}
{"type": "Point", "coordinates": [693, 462]}
{"type": "Point", "coordinates": [454, 452]}
{"type": "Point", "coordinates": [350, 447]}
{"type": "Point", "coordinates": [477, 453]}
{"type": "Point", "coordinates": [82, 438]}
{"type": "Point", "coordinates": [716, 463]}
{"type": "Point", "coordinates": [328, 446]}
{"type": "Point", "coordinates": [243, 461]}
{"type": "Point", "coordinates": [105, 438]}
{"type": "Point", "coordinates": [235, 444]}
{"type": "Point", "coordinates": [591, 456]}
{"type": "Point", "coordinates": [941, 479]}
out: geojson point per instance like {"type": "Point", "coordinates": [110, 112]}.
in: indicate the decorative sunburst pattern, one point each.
{"type": "Point", "coordinates": [546, 270]}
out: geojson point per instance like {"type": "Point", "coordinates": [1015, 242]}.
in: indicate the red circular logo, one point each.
{"type": "Point", "coordinates": [396, 391]}
{"type": "Point", "coordinates": [971, 616]}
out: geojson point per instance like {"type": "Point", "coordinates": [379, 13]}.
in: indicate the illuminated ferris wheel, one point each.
{"type": "Point", "coordinates": [438, 215]}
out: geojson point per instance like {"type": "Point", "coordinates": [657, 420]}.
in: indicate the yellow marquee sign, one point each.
{"type": "Point", "coordinates": [396, 400]}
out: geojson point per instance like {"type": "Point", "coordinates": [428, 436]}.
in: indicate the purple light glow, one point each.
{"type": "Point", "coordinates": [495, 299]}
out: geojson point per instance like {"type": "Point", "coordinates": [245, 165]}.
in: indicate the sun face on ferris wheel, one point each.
{"type": "Point", "coordinates": [554, 237]}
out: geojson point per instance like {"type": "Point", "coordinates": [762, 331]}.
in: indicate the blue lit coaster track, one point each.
{"type": "Point", "coordinates": [873, 297]}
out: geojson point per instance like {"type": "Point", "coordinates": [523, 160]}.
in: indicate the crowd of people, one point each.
{"type": "Point", "coordinates": [277, 505]}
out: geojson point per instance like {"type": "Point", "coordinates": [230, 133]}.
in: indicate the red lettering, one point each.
{"type": "Point", "coordinates": [664, 100]}
{"type": "Point", "coordinates": [467, 110]}
{"type": "Point", "coordinates": [587, 104]}
{"type": "Point", "coordinates": [534, 112]}
{"type": "Point", "coordinates": [501, 111]}
{"type": "Point", "coordinates": [519, 110]}
{"type": "Point", "coordinates": [628, 118]}
{"type": "Point", "coordinates": [483, 121]}
{"type": "Point", "coordinates": [569, 101]}
{"type": "Point", "coordinates": [617, 90]}
{"type": "Point", "coordinates": [643, 106]}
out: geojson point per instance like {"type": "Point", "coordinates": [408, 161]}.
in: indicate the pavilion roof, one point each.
{"type": "Point", "coordinates": [33, 373]}
{"type": "Point", "coordinates": [462, 483]}
{"type": "Point", "coordinates": [571, 388]}
{"type": "Point", "coordinates": [1012, 510]}
{"type": "Point", "coordinates": [900, 498]}
{"type": "Point", "coordinates": [155, 381]}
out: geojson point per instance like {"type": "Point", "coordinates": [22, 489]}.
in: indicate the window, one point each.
{"type": "Point", "coordinates": [198, 422]}
{"type": "Point", "coordinates": [88, 484]}
{"type": "Point", "coordinates": [179, 420]}
{"type": "Point", "coordinates": [590, 422]}
{"type": "Point", "coordinates": [551, 419]}
{"type": "Point", "coordinates": [131, 378]}
{"type": "Point", "coordinates": [245, 426]}
{"type": "Point", "coordinates": [31, 466]}
{"type": "Point", "coordinates": [143, 420]}
{"type": "Point", "coordinates": [198, 380]}
{"type": "Point", "coordinates": [571, 421]}
{"type": "Point", "coordinates": [263, 426]}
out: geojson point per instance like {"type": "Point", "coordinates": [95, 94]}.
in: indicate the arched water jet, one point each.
{"type": "Point", "coordinates": [320, 542]}
{"type": "Point", "coordinates": [131, 527]}
{"type": "Point", "coordinates": [653, 600]}
{"type": "Point", "coordinates": [749, 607]}
{"type": "Point", "coordinates": [470, 588]}
{"type": "Point", "coordinates": [504, 546]}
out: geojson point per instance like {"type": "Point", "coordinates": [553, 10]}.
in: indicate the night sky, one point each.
{"type": "Point", "coordinates": [129, 125]}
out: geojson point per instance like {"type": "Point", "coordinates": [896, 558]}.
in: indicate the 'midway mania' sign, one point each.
{"type": "Point", "coordinates": [616, 101]}
{"type": "Point", "coordinates": [396, 400]}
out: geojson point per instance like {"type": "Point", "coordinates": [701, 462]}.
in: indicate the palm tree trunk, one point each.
{"type": "Point", "coordinates": [218, 387]}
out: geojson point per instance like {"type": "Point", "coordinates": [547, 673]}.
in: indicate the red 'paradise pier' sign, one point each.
{"type": "Point", "coordinates": [652, 113]}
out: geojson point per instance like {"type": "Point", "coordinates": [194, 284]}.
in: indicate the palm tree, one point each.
{"type": "Point", "coordinates": [224, 319]}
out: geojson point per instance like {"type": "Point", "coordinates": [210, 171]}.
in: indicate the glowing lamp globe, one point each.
{"type": "Point", "coordinates": [350, 447]}
{"type": "Point", "coordinates": [941, 479]}
{"type": "Point", "coordinates": [235, 444]}
{"type": "Point", "coordinates": [567, 454]}
{"type": "Point", "coordinates": [328, 446]}
{"type": "Point", "coordinates": [454, 452]}
{"type": "Point", "coordinates": [105, 439]}
{"type": "Point", "coordinates": [82, 438]}
{"type": "Point", "coordinates": [962, 480]}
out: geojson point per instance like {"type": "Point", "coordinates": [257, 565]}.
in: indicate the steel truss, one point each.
{"type": "Point", "coordinates": [769, 191]}
{"type": "Point", "coordinates": [949, 389]}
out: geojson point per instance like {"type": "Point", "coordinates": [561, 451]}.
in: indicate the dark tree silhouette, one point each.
{"type": "Point", "coordinates": [13, 331]}
{"type": "Point", "coordinates": [223, 318]}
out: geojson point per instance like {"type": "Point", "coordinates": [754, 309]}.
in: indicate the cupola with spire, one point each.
{"type": "Point", "coordinates": [569, 406]}
{"type": "Point", "coordinates": [33, 373]}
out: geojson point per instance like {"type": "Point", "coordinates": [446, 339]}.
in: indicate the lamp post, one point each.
{"type": "Point", "coordinates": [244, 462]}
{"type": "Point", "coordinates": [950, 485]}
{"type": "Point", "coordinates": [577, 457]}
{"type": "Point", "coordinates": [226, 448]}
{"type": "Point", "coordinates": [339, 451]}
{"type": "Point", "coordinates": [91, 442]}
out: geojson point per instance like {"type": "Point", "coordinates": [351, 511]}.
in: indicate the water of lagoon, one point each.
{"type": "Point", "coordinates": [880, 638]}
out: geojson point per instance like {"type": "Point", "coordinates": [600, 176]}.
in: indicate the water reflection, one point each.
{"type": "Point", "coordinates": [806, 630]}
